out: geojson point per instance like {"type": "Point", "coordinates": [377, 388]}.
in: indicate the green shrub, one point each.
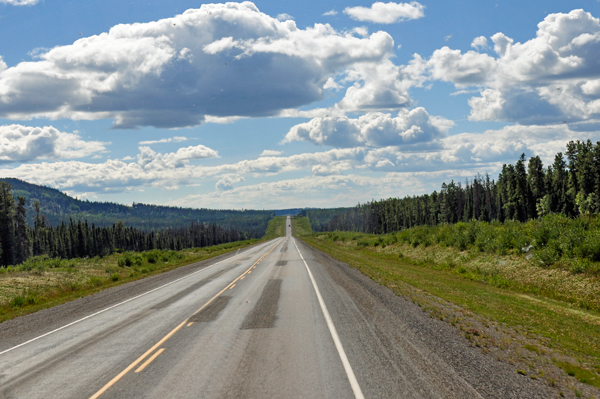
{"type": "Point", "coordinates": [547, 256]}
{"type": "Point", "coordinates": [95, 281]}
{"type": "Point", "coordinates": [17, 301]}
{"type": "Point", "coordinates": [589, 248]}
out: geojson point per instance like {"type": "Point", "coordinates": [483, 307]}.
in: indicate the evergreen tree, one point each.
{"type": "Point", "coordinates": [22, 249]}
{"type": "Point", "coordinates": [7, 232]}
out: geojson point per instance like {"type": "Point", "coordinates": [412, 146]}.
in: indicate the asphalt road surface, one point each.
{"type": "Point", "coordinates": [277, 320]}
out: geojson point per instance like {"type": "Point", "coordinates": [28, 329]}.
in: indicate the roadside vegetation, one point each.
{"type": "Point", "coordinates": [276, 228]}
{"type": "Point", "coordinates": [42, 282]}
{"type": "Point", "coordinates": [301, 226]}
{"type": "Point", "coordinates": [528, 293]}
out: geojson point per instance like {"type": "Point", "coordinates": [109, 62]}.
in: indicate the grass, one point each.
{"type": "Point", "coordinates": [276, 228]}
{"type": "Point", "coordinates": [43, 282]}
{"type": "Point", "coordinates": [301, 226]}
{"type": "Point", "coordinates": [492, 299]}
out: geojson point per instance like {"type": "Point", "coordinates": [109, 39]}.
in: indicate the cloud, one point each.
{"type": "Point", "coordinates": [380, 86]}
{"type": "Point", "coordinates": [377, 86]}
{"type": "Point", "coordinates": [464, 154]}
{"type": "Point", "coordinates": [480, 43]}
{"type": "Point", "coordinates": [151, 169]}
{"type": "Point", "coordinates": [176, 139]}
{"type": "Point", "coordinates": [270, 153]}
{"type": "Point", "coordinates": [24, 143]}
{"type": "Point", "coordinates": [19, 2]}
{"type": "Point", "coordinates": [284, 17]}
{"type": "Point", "coordinates": [330, 13]}
{"type": "Point", "coordinates": [149, 159]}
{"type": "Point", "coordinates": [375, 129]}
{"type": "Point", "coordinates": [206, 63]}
{"type": "Point", "coordinates": [447, 37]}
{"type": "Point", "coordinates": [461, 69]}
{"type": "Point", "coordinates": [387, 13]}
{"type": "Point", "coordinates": [550, 78]}
{"type": "Point", "coordinates": [227, 182]}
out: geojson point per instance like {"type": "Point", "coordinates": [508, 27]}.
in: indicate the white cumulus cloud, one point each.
{"type": "Point", "coordinates": [480, 43]}
{"type": "Point", "coordinates": [24, 143]}
{"type": "Point", "coordinates": [270, 153]}
{"type": "Point", "coordinates": [550, 78]}
{"type": "Point", "coordinates": [374, 129]}
{"type": "Point", "coordinates": [227, 182]}
{"type": "Point", "coordinates": [216, 63]}
{"type": "Point", "coordinates": [387, 13]}
{"type": "Point", "coordinates": [149, 159]}
{"type": "Point", "coordinates": [284, 17]}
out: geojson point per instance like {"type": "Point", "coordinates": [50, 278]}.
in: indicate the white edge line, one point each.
{"type": "Point", "coordinates": [120, 303]}
{"type": "Point", "coordinates": [336, 339]}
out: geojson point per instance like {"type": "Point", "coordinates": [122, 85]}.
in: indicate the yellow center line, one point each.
{"type": "Point", "coordinates": [190, 323]}
{"type": "Point", "coordinates": [243, 278]}
{"type": "Point", "coordinates": [232, 287]}
{"type": "Point", "coordinates": [150, 359]}
{"type": "Point", "coordinates": [169, 335]}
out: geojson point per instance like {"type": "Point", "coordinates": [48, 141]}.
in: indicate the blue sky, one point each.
{"type": "Point", "coordinates": [288, 104]}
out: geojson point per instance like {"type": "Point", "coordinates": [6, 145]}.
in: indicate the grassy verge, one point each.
{"type": "Point", "coordinates": [301, 226]}
{"type": "Point", "coordinates": [276, 228]}
{"type": "Point", "coordinates": [541, 336]}
{"type": "Point", "coordinates": [42, 282]}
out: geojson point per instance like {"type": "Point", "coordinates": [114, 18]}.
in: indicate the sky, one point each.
{"type": "Point", "coordinates": [274, 105]}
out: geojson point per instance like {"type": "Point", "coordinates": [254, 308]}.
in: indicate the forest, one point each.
{"type": "Point", "coordinates": [19, 241]}
{"type": "Point", "coordinates": [59, 208]}
{"type": "Point", "coordinates": [524, 191]}
{"type": "Point", "coordinates": [320, 217]}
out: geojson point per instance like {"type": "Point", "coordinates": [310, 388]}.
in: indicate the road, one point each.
{"type": "Point", "coordinates": [277, 320]}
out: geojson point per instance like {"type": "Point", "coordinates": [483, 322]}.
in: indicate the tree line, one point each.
{"type": "Point", "coordinates": [58, 207]}
{"type": "Point", "coordinates": [19, 241]}
{"type": "Point", "coordinates": [523, 191]}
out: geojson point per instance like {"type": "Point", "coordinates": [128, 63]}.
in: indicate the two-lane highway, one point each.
{"type": "Point", "coordinates": [278, 320]}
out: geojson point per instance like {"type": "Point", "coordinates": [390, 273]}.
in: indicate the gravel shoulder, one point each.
{"type": "Point", "coordinates": [393, 319]}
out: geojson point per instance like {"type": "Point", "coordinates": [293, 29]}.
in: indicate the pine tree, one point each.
{"type": "Point", "coordinates": [7, 232]}
{"type": "Point", "coordinates": [22, 249]}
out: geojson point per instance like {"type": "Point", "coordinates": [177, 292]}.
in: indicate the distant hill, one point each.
{"type": "Point", "coordinates": [58, 207]}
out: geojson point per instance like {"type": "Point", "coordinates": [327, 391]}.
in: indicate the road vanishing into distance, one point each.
{"type": "Point", "coordinates": [276, 320]}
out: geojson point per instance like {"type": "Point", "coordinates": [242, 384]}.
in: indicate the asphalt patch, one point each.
{"type": "Point", "coordinates": [211, 312]}
{"type": "Point", "coordinates": [264, 313]}
{"type": "Point", "coordinates": [281, 263]}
